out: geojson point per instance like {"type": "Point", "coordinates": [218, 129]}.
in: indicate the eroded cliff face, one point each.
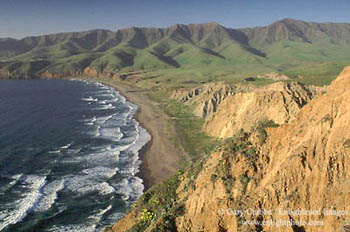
{"type": "Point", "coordinates": [208, 97]}
{"type": "Point", "coordinates": [230, 108]}
{"type": "Point", "coordinates": [302, 165]}
{"type": "Point", "coordinates": [279, 102]}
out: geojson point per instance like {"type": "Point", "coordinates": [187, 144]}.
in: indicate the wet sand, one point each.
{"type": "Point", "coordinates": [160, 157]}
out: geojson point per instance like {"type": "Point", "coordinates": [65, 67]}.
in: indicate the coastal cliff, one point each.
{"type": "Point", "coordinates": [263, 175]}
{"type": "Point", "coordinates": [227, 108]}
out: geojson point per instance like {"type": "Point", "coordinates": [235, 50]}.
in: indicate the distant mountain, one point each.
{"type": "Point", "coordinates": [299, 31]}
{"type": "Point", "coordinates": [280, 46]}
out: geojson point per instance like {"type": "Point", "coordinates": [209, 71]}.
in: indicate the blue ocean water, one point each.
{"type": "Point", "coordinates": [68, 155]}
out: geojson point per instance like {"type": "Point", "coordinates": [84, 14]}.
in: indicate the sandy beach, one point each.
{"type": "Point", "coordinates": [160, 157]}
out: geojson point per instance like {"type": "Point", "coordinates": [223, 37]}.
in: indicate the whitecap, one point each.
{"type": "Point", "coordinates": [54, 151]}
{"type": "Point", "coordinates": [74, 228]}
{"type": "Point", "coordinates": [130, 189]}
{"type": "Point", "coordinates": [15, 179]}
{"type": "Point", "coordinates": [90, 121]}
{"type": "Point", "coordinates": [89, 99]}
{"type": "Point", "coordinates": [66, 146]}
{"type": "Point", "coordinates": [49, 195]}
{"type": "Point", "coordinates": [111, 133]}
{"type": "Point", "coordinates": [93, 179]}
{"type": "Point", "coordinates": [17, 211]}
{"type": "Point", "coordinates": [106, 107]}
{"type": "Point", "coordinates": [102, 120]}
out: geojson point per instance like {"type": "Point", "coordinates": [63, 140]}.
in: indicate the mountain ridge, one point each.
{"type": "Point", "coordinates": [281, 46]}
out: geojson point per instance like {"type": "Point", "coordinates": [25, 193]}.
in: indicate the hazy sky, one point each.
{"type": "Point", "coordinates": [19, 18]}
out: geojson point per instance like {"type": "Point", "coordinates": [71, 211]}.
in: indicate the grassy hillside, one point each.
{"type": "Point", "coordinates": [186, 54]}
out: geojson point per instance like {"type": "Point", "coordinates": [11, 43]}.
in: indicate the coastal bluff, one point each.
{"type": "Point", "coordinates": [302, 164]}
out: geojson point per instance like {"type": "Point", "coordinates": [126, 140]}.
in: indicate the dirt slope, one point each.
{"type": "Point", "coordinates": [302, 165]}
{"type": "Point", "coordinates": [229, 108]}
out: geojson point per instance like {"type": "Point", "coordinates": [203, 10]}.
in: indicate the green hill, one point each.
{"type": "Point", "coordinates": [196, 52]}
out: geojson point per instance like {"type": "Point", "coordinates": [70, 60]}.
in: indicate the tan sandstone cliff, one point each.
{"type": "Point", "coordinates": [229, 108]}
{"type": "Point", "coordinates": [245, 184]}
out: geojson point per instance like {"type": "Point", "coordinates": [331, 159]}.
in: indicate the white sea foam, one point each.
{"type": "Point", "coordinates": [49, 196]}
{"type": "Point", "coordinates": [102, 120]}
{"type": "Point", "coordinates": [106, 107]}
{"type": "Point", "coordinates": [105, 156]}
{"type": "Point", "coordinates": [105, 87]}
{"type": "Point", "coordinates": [90, 121]}
{"type": "Point", "coordinates": [100, 167]}
{"type": "Point", "coordinates": [89, 99]}
{"type": "Point", "coordinates": [73, 151]}
{"type": "Point", "coordinates": [103, 211]}
{"type": "Point", "coordinates": [98, 133]}
{"type": "Point", "coordinates": [111, 133]}
{"type": "Point", "coordinates": [96, 177]}
{"type": "Point", "coordinates": [90, 180]}
{"type": "Point", "coordinates": [88, 227]}
{"type": "Point", "coordinates": [113, 100]}
{"type": "Point", "coordinates": [15, 180]}
{"type": "Point", "coordinates": [18, 210]}
{"type": "Point", "coordinates": [98, 216]}
{"type": "Point", "coordinates": [132, 187]}
{"type": "Point", "coordinates": [66, 146]}
{"type": "Point", "coordinates": [105, 93]}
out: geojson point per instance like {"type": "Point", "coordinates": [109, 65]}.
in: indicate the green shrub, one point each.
{"type": "Point", "coordinates": [262, 135]}
{"type": "Point", "coordinates": [189, 128]}
{"type": "Point", "coordinates": [157, 203]}
{"type": "Point", "coordinates": [260, 127]}
{"type": "Point", "coordinates": [245, 179]}
{"type": "Point", "coordinates": [213, 178]}
{"type": "Point", "coordinates": [347, 143]}
{"type": "Point", "coordinates": [140, 226]}
{"type": "Point", "coordinates": [108, 229]}
{"type": "Point", "coordinates": [250, 153]}
{"type": "Point", "coordinates": [166, 224]}
{"type": "Point", "coordinates": [326, 118]}
{"type": "Point", "coordinates": [228, 183]}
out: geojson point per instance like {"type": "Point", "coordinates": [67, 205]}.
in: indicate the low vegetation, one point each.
{"type": "Point", "coordinates": [159, 205]}
{"type": "Point", "coordinates": [189, 127]}
{"type": "Point", "coordinates": [237, 145]}
{"type": "Point", "coordinates": [260, 127]}
{"type": "Point", "coordinates": [185, 55]}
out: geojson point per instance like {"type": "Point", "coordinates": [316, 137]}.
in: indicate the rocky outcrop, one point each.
{"type": "Point", "coordinates": [208, 97]}
{"type": "Point", "coordinates": [279, 102]}
{"type": "Point", "coordinates": [229, 108]}
{"type": "Point", "coordinates": [298, 177]}
{"type": "Point", "coordinates": [276, 76]}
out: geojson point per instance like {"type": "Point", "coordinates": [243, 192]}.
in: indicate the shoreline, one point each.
{"type": "Point", "coordinates": [160, 158]}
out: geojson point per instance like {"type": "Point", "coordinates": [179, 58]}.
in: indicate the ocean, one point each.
{"type": "Point", "coordinates": [69, 155]}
